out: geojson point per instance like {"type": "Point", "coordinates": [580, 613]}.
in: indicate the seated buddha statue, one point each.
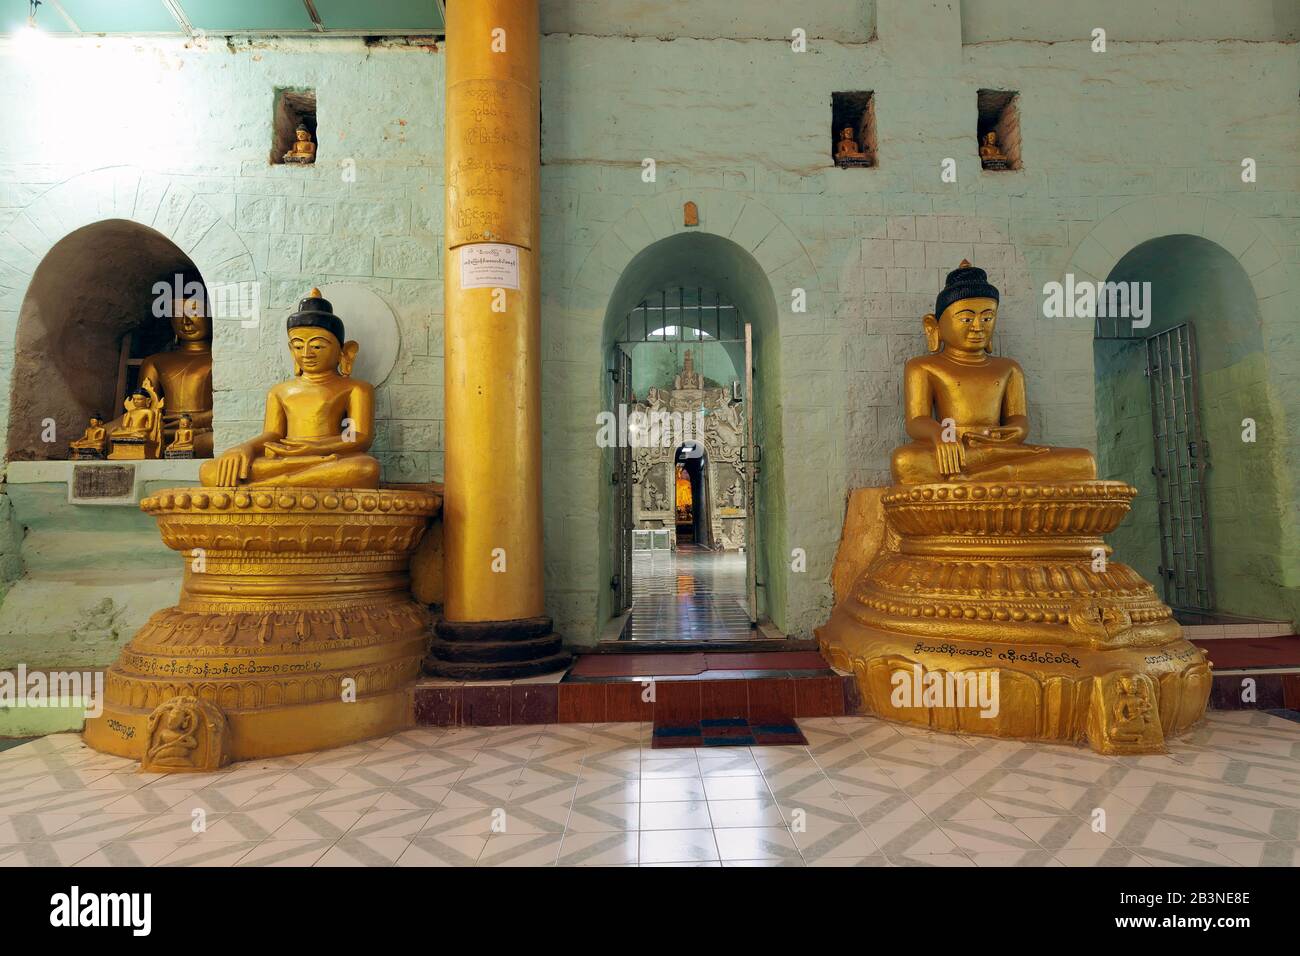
{"type": "Point", "coordinates": [990, 153]}
{"type": "Point", "coordinates": [303, 149]}
{"type": "Point", "coordinates": [139, 432]}
{"type": "Point", "coordinates": [847, 147]}
{"type": "Point", "coordinates": [319, 424]}
{"type": "Point", "coordinates": [182, 443]}
{"type": "Point", "coordinates": [965, 409]}
{"type": "Point", "coordinates": [92, 443]}
{"type": "Point", "coordinates": [183, 375]}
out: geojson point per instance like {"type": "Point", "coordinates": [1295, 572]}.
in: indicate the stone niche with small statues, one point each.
{"type": "Point", "coordinates": [691, 417]}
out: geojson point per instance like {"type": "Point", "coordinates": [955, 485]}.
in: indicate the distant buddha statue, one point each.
{"type": "Point", "coordinates": [303, 149]}
{"type": "Point", "coordinates": [966, 410]}
{"type": "Point", "coordinates": [990, 154]}
{"type": "Point", "coordinates": [139, 432]}
{"type": "Point", "coordinates": [319, 424]}
{"type": "Point", "coordinates": [92, 444]}
{"type": "Point", "coordinates": [688, 377]}
{"type": "Point", "coordinates": [182, 444]}
{"type": "Point", "coordinates": [736, 494]}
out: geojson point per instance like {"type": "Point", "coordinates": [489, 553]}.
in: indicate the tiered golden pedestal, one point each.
{"type": "Point", "coordinates": [295, 628]}
{"type": "Point", "coordinates": [1014, 578]}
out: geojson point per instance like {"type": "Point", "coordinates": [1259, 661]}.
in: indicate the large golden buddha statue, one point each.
{"type": "Point", "coordinates": [319, 424]}
{"type": "Point", "coordinates": [295, 629]}
{"type": "Point", "coordinates": [977, 594]}
{"type": "Point", "coordinates": [966, 409]}
{"type": "Point", "coordinates": [184, 374]}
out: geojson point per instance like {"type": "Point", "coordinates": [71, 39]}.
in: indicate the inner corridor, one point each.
{"type": "Point", "coordinates": [691, 594]}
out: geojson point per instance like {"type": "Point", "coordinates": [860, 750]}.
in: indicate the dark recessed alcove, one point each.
{"type": "Point", "coordinates": [855, 111]}
{"type": "Point", "coordinates": [999, 113]}
{"type": "Point", "coordinates": [293, 106]}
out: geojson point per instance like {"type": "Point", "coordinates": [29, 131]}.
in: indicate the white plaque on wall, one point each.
{"type": "Point", "coordinates": [489, 265]}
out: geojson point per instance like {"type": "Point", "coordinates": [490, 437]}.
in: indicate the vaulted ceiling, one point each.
{"type": "Point", "coordinates": [227, 17]}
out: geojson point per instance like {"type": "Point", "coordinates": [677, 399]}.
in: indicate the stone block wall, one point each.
{"type": "Point", "coordinates": [1144, 140]}
{"type": "Point", "coordinates": [176, 136]}
{"type": "Point", "coordinates": [1118, 147]}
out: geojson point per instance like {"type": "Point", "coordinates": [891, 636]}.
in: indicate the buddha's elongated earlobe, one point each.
{"type": "Point", "coordinates": [348, 356]}
{"type": "Point", "coordinates": [931, 332]}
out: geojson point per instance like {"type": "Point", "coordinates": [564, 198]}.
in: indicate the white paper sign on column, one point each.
{"type": "Point", "coordinates": [489, 265]}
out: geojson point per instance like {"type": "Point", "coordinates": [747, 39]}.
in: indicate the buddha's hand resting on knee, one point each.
{"type": "Point", "coordinates": [232, 467]}
{"type": "Point", "coordinates": [950, 455]}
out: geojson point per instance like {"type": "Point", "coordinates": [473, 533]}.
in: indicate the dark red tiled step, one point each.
{"type": "Point", "coordinates": [1252, 653]}
{"type": "Point", "coordinates": [637, 665]}
{"type": "Point", "coordinates": [767, 700]}
{"type": "Point", "coordinates": [1255, 690]}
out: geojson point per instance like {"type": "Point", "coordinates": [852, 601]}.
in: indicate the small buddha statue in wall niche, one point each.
{"type": "Point", "coordinates": [140, 433]}
{"type": "Point", "coordinates": [848, 152]}
{"type": "Point", "coordinates": [991, 155]}
{"type": "Point", "coordinates": [92, 444]}
{"type": "Point", "coordinates": [303, 150]}
{"type": "Point", "coordinates": [182, 446]}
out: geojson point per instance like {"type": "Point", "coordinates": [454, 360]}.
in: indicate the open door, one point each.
{"type": "Point", "coordinates": [750, 467]}
{"type": "Point", "coordinates": [623, 482]}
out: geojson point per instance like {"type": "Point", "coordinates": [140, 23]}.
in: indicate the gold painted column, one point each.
{"type": "Point", "coordinates": [495, 622]}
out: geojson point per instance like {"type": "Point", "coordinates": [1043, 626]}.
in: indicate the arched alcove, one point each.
{"type": "Point", "coordinates": [92, 288]}
{"type": "Point", "coordinates": [1194, 282]}
{"type": "Point", "coordinates": [701, 260]}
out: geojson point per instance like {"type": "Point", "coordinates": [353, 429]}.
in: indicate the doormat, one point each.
{"type": "Point", "coordinates": [727, 732]}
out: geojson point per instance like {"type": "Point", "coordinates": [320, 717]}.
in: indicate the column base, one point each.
{"type": "Point", "coordinates": [495, 650]}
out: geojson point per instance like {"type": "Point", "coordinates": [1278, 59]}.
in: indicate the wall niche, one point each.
{"type": "Point", "coordinates": [853, 129]}
{"type": "Point", "coordinates": [295, 108]}
{"type": "Point", "coordinates": [998, 129]}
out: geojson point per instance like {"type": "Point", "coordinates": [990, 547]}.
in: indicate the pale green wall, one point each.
{"type": "Point", "coordinates": [1117, 148]}
{"type": "Point", "coordinates": [741, 127]}
{"type": "Point", "coordinates": [1194, 280]}
{"type": "Point", "coordinates": [992, 20]}
{"type": "Point", "coordinates": [176, 137]}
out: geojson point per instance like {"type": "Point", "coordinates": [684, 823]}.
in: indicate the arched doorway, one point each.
{"type": "Point", "coordinates": [1175, 400]}
{"type": "Point", "coordinates": [689, 511]}
{"type": "Point", "coordinates": [87, 322]}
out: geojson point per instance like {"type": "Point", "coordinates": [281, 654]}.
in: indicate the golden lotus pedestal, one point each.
{"type": "Point", "coordinates": [992, 608]}
{"type": "Point", "coordinates": [295, 629]}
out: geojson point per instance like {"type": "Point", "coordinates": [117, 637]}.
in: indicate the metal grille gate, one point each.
{"type": "Point", "coordinates": [622, 582]}
{"type": "Point", "coordinates": [1181, 461]}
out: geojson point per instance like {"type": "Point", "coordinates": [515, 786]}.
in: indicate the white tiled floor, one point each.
{"type": "Point", "coordinates": [862, 793]}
